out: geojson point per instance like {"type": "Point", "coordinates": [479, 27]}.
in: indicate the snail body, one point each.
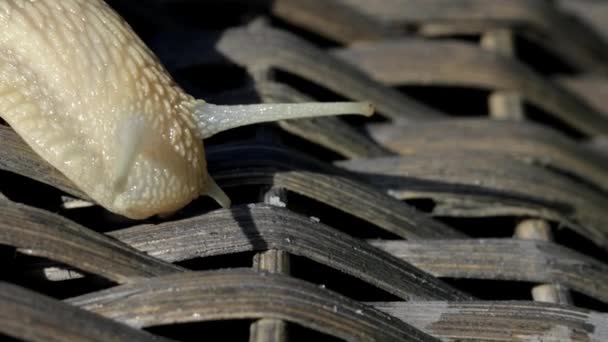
{"type": "Point", "coordinates": [80, 87]}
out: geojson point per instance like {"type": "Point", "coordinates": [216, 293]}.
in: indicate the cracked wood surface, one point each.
{"type": "Point", "coordinates": [244, 294]}
{"type": "Point", "coordinates": [41, 233]}
{"type": "Point", "coordinates": [258, 228]}
{"type": "Point", "coordinates": [501, 321]}
{"type": "Point", "coordinates": [338, 191]}
{"type": "Point", "coordinates": [421, 62]}
{"type": "Point", "coordinates": [505, 259]}
{"type": "Point", "coordinates": [536, 20]}
{"type": "Point", "coordinates": [447, 173]}
{"type": "Point", "coordinates": [51, 320]}
{"type": "Point", "coordinates": [523, 140]}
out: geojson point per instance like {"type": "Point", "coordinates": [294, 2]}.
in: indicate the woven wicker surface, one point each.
{"type": "Point", "coordinates": [471, 207]}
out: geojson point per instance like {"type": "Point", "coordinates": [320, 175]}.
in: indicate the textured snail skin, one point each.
{"type": "Point", "coordinates": [79, 86]}
{"type": "Point", "coordinates": [87, 95]}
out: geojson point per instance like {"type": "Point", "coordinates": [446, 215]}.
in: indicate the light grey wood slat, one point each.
{"type": "Point", "coordinates": [331, 19]}
{"type": "Point", "coordinates": [258, 228]}
{"type": "Point", "coordinates": [505, 259]}
{"type": "Point", "coordinates": [244, 294]}
{"type": "Point", "coordinates": [501, 321]}
{"type": "Point", "coordinates": [423, 62]}
{"type": "Point", "coordinates": [349, 196]}
{"type": "Point", "coordinates": [41, 233]}
{"type": "Point", "coordinates": [31, 316]}
{"type": "Point", "coordinates": [592, 12]}
{"type": "Point", "coordinates": [523, 140]}
{"type": "Point", "coordinates": [592, 88]}
{"type": "Point", "coordinates": [459, 172]}
{"type": "Point", "coordinates": [537, 20]}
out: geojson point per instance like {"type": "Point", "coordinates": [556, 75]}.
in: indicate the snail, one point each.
{"type": "Point", "coordinates": [86, 94]}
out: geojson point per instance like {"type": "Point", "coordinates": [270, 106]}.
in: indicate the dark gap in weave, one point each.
{"type": "Point", "coordinates": [242, 135]}
{"type": "Point", "coordinates": [337, 219]}
{"type": "Point", "coordinates": [7, 338]}
{"type": "Point", "coordinates": [334, 280]}
{"type": "Point", "coordinates": [483, 227]}
{"type": "Point", "coordinates": [583, 301]}
{"type": "Point", "coordinates": [31, 192]}
{"type": "Point", "coordinates": [456, 101]}
{"type": "Point", "coordinates": [199, 206]}
{"type": "Point", "coordinates": [28, 272]}
{"type": "Point", "coordinates": [101, 220]}
{"type": "Point", "coordinates": [540, 59]}
{"type": "Point", "coordinates": [425, 205]}
{"type": "Point", "coordinates": [242, 194]}
{"type": "Point", "coordinates": [485, 289]}
{"type": "Point", "coordinates": [227, 330]}
{"type": "Point", "coordinates": [236, 260]}
{"type": "Point", "coordinates": [298, 333]}
{"type": "Point", "coordinates": [570, 239]}
{"type": "Point", "coordinates": [471, 38]}
{"type": "Point", "coordinates": [533, 113]}
{"type": "Point", "coordinates": [294, 142]}
{"type": "Point", "coordinates": [203, 81]}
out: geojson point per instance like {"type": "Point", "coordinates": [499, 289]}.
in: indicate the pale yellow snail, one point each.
{"type": "Point", "coordinates": [79, 86]}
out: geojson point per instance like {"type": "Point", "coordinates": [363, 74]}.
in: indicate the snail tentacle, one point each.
{"type": "Point", "coordinates": [212, 119]}
{"type": "Point", "coordinates": [214, 191]}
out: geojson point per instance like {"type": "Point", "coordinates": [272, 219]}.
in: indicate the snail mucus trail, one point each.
{"type": "Point", "coordinates": [80, 87]}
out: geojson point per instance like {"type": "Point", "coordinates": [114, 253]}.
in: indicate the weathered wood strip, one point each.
{"type": "Point", "coordinates": [592, 12]}
{"type": "Point", "coordinates": [41, 233]}
{"type": "Point", "coordinates": [537, 20]}
{"type": "Point", "coordinates": [258, 47]}
{"type": "Point", "coordinates": [501, 321]}
{"type": "Point", "coordinates": [239, 165]}
{"type": "Point", "coordinates": [591, 88]}
{"type": "Point", "coordinates": [423, 62]}
{"type": "Point", "coordinates": [258, 228]}
{"type": "Point", "coordinates": [523, 140]}
{"type": "Point", "coordinates": [424, 176]}
{"type": "Point", "coordinates": [244, 294]}
{"type": "Point", "coordinates": [30, 316]}
{"type": "Point", "coordinates": [505, 259]}
{"type": "Point", "coordinates": [366, 203]}
{"type": "Point", "coordinates": [349, 196]}
{"type": "Point", "coordinates": [332, 19]}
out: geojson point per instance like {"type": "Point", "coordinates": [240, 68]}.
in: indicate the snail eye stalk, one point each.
{"type": "Point", "coordinates": [212, 119]}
